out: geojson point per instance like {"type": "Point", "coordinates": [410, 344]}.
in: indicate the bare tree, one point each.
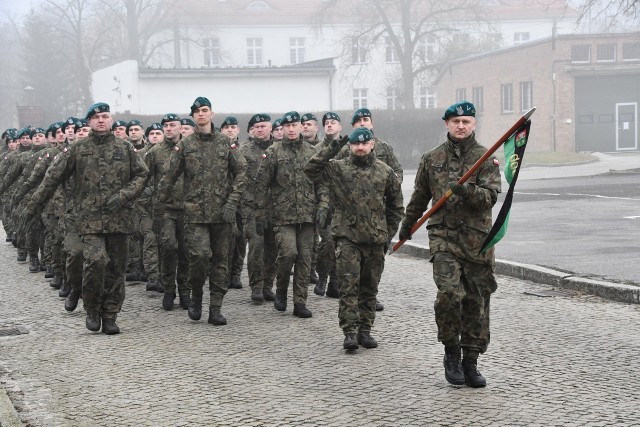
{"type": "Point", "coordinates": [613, 11]}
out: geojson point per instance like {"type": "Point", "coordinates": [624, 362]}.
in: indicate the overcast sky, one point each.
{"type": "Point", "coordinates": [15, 8]}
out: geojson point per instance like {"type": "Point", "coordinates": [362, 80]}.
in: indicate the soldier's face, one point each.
{"type": "Point", "coordinates": [310, 129]}
{"type": "Point", "coordinates": [202, 116]}
{"type": "Point", "coordinates": [460, 127]}
{"type": "Point", "coordinates": [186, 130]}
{"type": "Point", "coordinates": [25, 141]}
{"type": "Point", "coordinates": [70, 132]}
{"type": "Point", "coordinates": [362, 148]}
{"type": "Point", "coordinates": [262, 130]}
{"type": "Point", "coordinates": [13, 145]}
{"type": "Point", "coordinates": [120, 132]}
{"type": "Point", "coordinates": [231, 131]}
{"type": "Point", "coordinates": [332, 127]}
{"type": "Point", "coordinates": [39, 139]}
{"type": "Point", "coordinates": [156, 136]}
{"type": "Point", "coordinates": [51, 138]}
{"type": "Point", "coordinates": [363, 122]}
{"type": "Point", "coordinates": [100, 123]}
{"type": "Point", "coordinates": [278, 132]}
{"type": "Point", "coordinates": [171, 130]}
{"type": "Point", "coordinates": [135, 133]}
{"type": "Point", "coordinates": [82, 133]}
{"type": "Point", "coordinates": [292, 130]}
{"type": "Point", "coordinates": [60, 136]}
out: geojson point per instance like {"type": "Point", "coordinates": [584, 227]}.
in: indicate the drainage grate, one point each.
{"type": "Point", "coordinates": [13, 331]}
{"type": "Point", "coordinates": [552, 293]}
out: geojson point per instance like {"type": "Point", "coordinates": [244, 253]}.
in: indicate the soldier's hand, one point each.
{"type": "Point", "coordinates": [229, 213]}
{"type": "Point", "coordinates": [405, 232]}
{"type": "Point", "coordinates": [259, 227]}
{"type": "Point", "coordinates": [321, 217]}
{"type": "Point", "coordinates": [113, 204]}
{"type": "Point", "coordinates": [460, 190]}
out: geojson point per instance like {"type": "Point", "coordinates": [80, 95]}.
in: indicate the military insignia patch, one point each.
{"type": "Point", "coordinates": [459, 110]}
{"type": "Point", "coordinates": [47, 155]}
{"type": "Point", "coordinates": [65, 149]}
{"type": "Point", "coordinates": [234, 146]}
{"type": "Point", "coordinates": [496, 162]}
{"type": "Point", "coordinates": [39, 158]}
{"type": "Point", "coordinates": [176, 148]}
{"type": "Point", "coordinates": [264, 155]}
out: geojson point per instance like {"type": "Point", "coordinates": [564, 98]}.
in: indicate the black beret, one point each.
{"type": "Point", "coordinates": [462, 108]}
{"type": "Point", "coordinates": [98, 107]}
{"type": "Point", "coordinates": [170, 118]}
{"type": "Point", "coordinates": [330, 116]}
{"type": "Point", "coordinates": [154, 126]}
{"type": "Point", "coordinates": [187, 122]}
{"type": "Point", "coordinates": [259, 118]}
{"type": "Point", "coordinates": [362, 112]}
{"type": "Point", "coordinates": [134, 122]}
{"type": "Point", "coordinates": [308, 116]}
{"type": "Point", "coordinates": [200, 101]}
{"type": "Point", "coordinates": [277, 123]}
{"type": "Point", "coordinates": [360, 134]}
{"type": "Point", "coordinates": [290, 117]}
{"type": "Point", "coordinates": [118, 123]}
{"type": "Point", "coordinates": [228, 121]}
{"type": "Point", "coordinates": [81, 123]}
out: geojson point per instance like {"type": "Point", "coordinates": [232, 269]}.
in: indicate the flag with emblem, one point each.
{"type": "Point", "coordinates": [513, 153]}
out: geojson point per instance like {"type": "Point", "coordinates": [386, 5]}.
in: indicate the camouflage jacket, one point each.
{"type": "Point", "coordinates": [104, 166]}
{"type": "Point", "coordinates": [28, 186]}
{"type": "Point", "coordinates": [365, 192]}
{"type": "Point", "coordinates": [215, 174]}
{"type": "Point", "coordinates": [142, 203]}
{"type": "Point", "coordinates": [384, 153]}
{"type": "Point", "coordinates": [13, 176]}
{"type": "Point", "coordinates": [293, 193]}
{"type": "Point", "coordinates": [461, 225]}
{"type": "Point", "coordinates": [9, 159]}
{"type": "Point", "coordinates": [157, 158]}
{"type": "Point", "coordinates": [254, 153]}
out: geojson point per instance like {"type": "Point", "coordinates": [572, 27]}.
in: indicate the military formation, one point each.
{"type": "Point", "coordinates": [94, 202]}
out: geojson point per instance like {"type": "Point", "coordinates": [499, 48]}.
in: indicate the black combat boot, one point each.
{"type": "Point", "coordinates": [215, 317]}
{"type": "Point", "coordinates": [268, 294]}
{"type": "Point", "coordinates": [235, 283]}
{"type": "Point", "coordinates": [185, 300]}
{"type": "Point", "coordinates": [313, 277]}
{"type": "Point", "coordinates": [195, 308]}
{"type": "Point", "coordinates": [350, 342]}
{"type": "Point", "coordinates": [452, 365]}
{"type": "Point", "coordinates": [93, 321]}
{"type": "Point", "coordinates": [56, 282]}
{"type": "Point", "coordinates": [9, 237]}
{"type": "Point", "coordinates": [71, 302]}
{"type": "Point", "coordinates": [152, 285]}
{"type": "Point", "coordinates": [65, 290]}
{"type": "Point", "coordinates": [48, 274]}
{"type": "Point", "coordinates": [159, 286]}
{"type": "Point", "coordinates": [34, 264]}
{"type": "Point", "coordinates": [167, 300]}
{"type": "Point", "coordinates": [366, 340]}
{"type": "Point", "coordinates": [256, 295]}
{"type": "Point", "coordinates": [280, 302]}
{"type": "Point", "coordinates": [109, 327]}
{"type": "Point", "coordinates": [379, 306]}
{"type": "Point", "coordinates": [321, 286]}
{"type": "Point", "coordinates": [472, 377]}
{"type": "Point", "coordinates": [332, 289]}
{"type": "Point", "coordinates": [301, 311]}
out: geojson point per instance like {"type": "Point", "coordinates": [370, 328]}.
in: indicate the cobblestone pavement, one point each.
{"type": "Point", "coordinates": [564, 360]}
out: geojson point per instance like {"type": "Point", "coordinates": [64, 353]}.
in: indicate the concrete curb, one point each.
{"type": "Point", "coordinates": [8, 415]}
{"type": "Point", "coordinates": [559, 279]}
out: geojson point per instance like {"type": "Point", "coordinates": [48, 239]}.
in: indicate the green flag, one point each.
{"type": "Point", "coordinates": [513, 153]}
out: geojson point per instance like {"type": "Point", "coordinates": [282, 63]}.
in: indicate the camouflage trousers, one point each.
{"type": "Point", "coordinates": [34, 237]}
{"type": "Point", "coordinates": [326, 264]}
{"type": "Point", "coordinates": [53, 243]}
{"type": "Point", "coordinates": [462, 302]}
{"type": "Point", "coordinates": [143, 246]}
{"type": "Point", "coordinates": [172, 254]}
{"type": "Point", "coordinates": [261, 260]}
{"type": "Point", "coordinates": [105, 261]}
{"type": "Point", "coordinates": [74, 258]}
{"type": "Point", "coordinates": [16, 218]}
{"type": "Point", "coordinates": [239, 249]}
{"type": "Point", "coordinates": [208, 253]}
{"type": "Point", "coordinates": [295, 249]}
{"type": "Point", "coordinates": [359, 270]}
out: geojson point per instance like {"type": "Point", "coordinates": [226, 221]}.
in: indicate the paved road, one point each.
{"type": "Point", "coordinates": [568, 360]}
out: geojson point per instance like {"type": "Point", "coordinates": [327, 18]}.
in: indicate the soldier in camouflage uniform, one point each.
{"type": "Point", "coordinates": [119, 129]}
{"type": "Point", "coordinates": [277, 131]}
{"type": "Point", "coordinates": [262, 249]}
{"type": "Point", "coordinates": [172, 253]}
{"type": "Point", "coordinates": [294, 210]}
{"type": "Point", "coordinates": [214, 179]}
{"type": "Point", "coordinates": [368, 208]}
{"type": "Point", "coordinates": [108, 177]}
{"type": "Point", "coordinates": [187, 127]}
{"type": "Point", "coordinates": [9, 158]}
{"type": "Point", "coordinates": [457, 230]}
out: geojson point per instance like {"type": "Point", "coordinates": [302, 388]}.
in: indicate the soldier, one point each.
{"type": "Point", "coordinates": [10, 159]}
{"type": "Point", "coordinates": [277, 131]}
{"type": "Point", "coordinates": [187, 126]}
{"type": "Point", "coordinates": [464, 277]}
{"type": "Point", "coordinates": [172, 254]}
{"type": "Point", "coordinates": [294, 209]}
{"type": "Point", "coordinates": [154, 133]}
{"type": "Point", "coordinates": [230, 128]}
{"type": "Point", "coordinates": [262, 249]}
{"type": "Point", "coordinates": [108, 177]}
{"type": "Point", "coordinates": [119, 129]}
{"type": "Point", "coordinates": [214, 179]}
{"type": "Point", "coordinates": [368, 208]}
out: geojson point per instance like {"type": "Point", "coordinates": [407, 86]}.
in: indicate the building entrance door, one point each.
{"type": "Point", "coordinates": [626, 126]}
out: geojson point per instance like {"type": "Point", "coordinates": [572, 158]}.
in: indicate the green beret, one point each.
{"type": "Point", "coordinates": [170, 118]}
{"type": "Point", "coordinates": [290, 117]}
{"type": "Point", "coordinates": [330, 116]}
{"type": "Point", "coordinates": [154, 126]}
{"type": "Point", "coordinates": [118, 123]}
{"type": "Point", "coordinates": [308, 116]}
{"type": "Point", "coordinates": [24, 131]}
{"type": "Point", "coordinates": [37, 130]}
{"type": "Point", "coordinates": [187, 122]}
{"type": "Point", "coordinates": [259, 118]}
{"type": "Point", "coordinates": [134, 122]}
{"type": "Point", "coordinates": [276, 123]}
{"type": "Point", "coordinates": [81, 123]}
{"type": "Point", "coordinates": [362, 112]}
{"type": "Point", "coordinates": [71, 121]}
{"type": "Point", "coordinates": [228, 121]}
{"type": "Point", "coordinates": [360, 135]}
{"type": "Point", "coordinates": [98, 107]}
{"type": "Point", "coordinates": [200, 101]}
{"type": "Point", "coordinates": [462, 108]}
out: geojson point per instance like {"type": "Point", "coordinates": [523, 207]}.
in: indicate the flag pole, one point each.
{"type": "Point", "coordinates": [466, 176]}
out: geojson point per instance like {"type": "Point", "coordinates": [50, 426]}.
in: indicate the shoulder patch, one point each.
{"type": "Point", "coordinates": [176, 148]}
{"type": "Point", "coordinates": [55, 157]}
{"type": "Point", "coordinates": [264, 155]}
{"type": "Point", "coordinates": [39, 158]}
{"type": "Point", "coordinates": [496, 162]}
{"type": "Point", "coordinates": [48, 155]}
{"type": "Point", "coordinates": [65, 149]}
{"type": "Point", "coordinates": [234, 146]}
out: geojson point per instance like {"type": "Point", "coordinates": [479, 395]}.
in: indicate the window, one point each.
{"type": "Point", "coordinates": [392, 98]}
{"type": "Point", "coordinates": [390, 51]}
{"type": "Point", "coordinates": [211, 51]}
{"type": "Point", "coordinates": [581, 53]}
{"type": "Point", "coordinates": [426, 49]}
{"type": "Point", "coordinates": [606, 52]}
{"type": "Point", "coordinates": [526, 96]}
{"type": "Point", "coordinates": [631, 51]}
{"type": "Point", "coordinates": [296, 50]}
{"type": "Point", "coordinates": [359, 98]}
{"type": "Point", "coordinates": [477, 98]}
{"type": "Point", "coordinates": [358, 52]}
{"type": "Point", "coordinates": [520, 37]}
{"type": "Point", "coordinates": [461, 94]}
{"type": "Point", "coordinates": [254, 51]}
{"type": "Point", "coordinates": [427, 97]}
{"type": "Point", "coordinates": [506, 98]}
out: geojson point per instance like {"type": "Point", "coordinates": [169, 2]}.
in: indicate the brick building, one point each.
{"type": "Point", "coordinates": [586, 90]}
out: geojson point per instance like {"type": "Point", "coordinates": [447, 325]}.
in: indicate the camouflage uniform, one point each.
{"type": "Point", "coordinates": [104, 166]}
{"type": "Point", "coordinates": [214, 176]}
{"type": "Point", "coordinates": [384, 153]}
{"type": "Point", "coordinates": [368, 208]}
{"type": "Point", "coordinates": [9, 159]}
{"type": "Point", "coordinates": [457, 230]}
{"type": "Point", "coordinates": [293, 216]}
